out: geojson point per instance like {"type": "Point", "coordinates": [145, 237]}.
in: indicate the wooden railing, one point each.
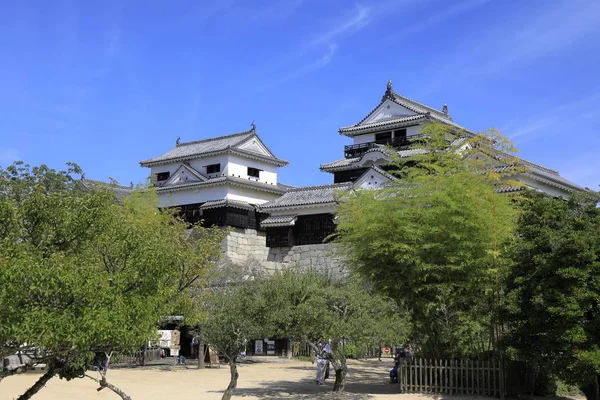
{"type": "Point", "coordinates": [138, 358]}
{"type": "Point", "coordinates": [419, 375]}
{"type": "Point", "coordinates": [354, 150]}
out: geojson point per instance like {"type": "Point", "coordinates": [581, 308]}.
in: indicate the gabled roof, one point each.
{"type": "Point", "coordinates": [279, 220]}
{"type": "Point", "coordinates": [536, 172]}
{"type": "Point", "coordinates": [317, 196]}
{"type": "Point", "coordinates": [227, 203]}
{"type": "Point", "coordinates": [367, 157]}
{"type": "Point", "coordinates": [183, 174]}
{"type": "Point", "coordinates": [246, 144]}
{"type": "Point", "coordinates": [320, 195]}
{"type": "Point", "coordinates": [120, 191]}
{"type": "Point", "coordinates": [419, 112]}
{"type": "Point", "coordinates": [222, 180]}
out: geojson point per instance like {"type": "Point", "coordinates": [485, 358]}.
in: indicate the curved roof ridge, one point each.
{"type": "Point", "coordinates": [421, 105]}
{"type": "Point", "coordinates": [249, 132]}
{"type": "Point", "coordinates": [317, 187]}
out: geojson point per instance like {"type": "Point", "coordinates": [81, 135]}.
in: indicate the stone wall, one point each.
{"type": "Point", "coordinates": [248, 247]}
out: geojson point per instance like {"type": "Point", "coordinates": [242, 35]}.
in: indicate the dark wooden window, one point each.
{"type": "Point", "coordinates": [313, 229]}
{"type": "Point", "coordinates": [348, 176]}
{"type": "Point", "coordinates": [162, 176]}
{"type": "Point", "coordinates": [213, 168]}
{"type": "Point", "coordinates": [254, 172]}
{"type": "Point", "coordinates": [280, 237]}
{"type": "Point", "coordinates": [309, 229]}
{"type": "Point", "coordinates": [383, 136]}
{"type": "Point", "coordinates": [191, 213]}
{"type": "Point", "coordinates": [400, 133]}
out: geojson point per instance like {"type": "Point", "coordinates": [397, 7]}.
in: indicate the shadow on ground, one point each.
{"type": "Point", "coordinates": [363, 380]}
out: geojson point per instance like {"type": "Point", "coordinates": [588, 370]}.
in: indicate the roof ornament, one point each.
{"type": "Point", "coordinates": [131, 185]}
{"type": "Point", "coordinates": [389, 92]}
{"type": "Point", "coordinates": [445, 109]}
{"type": "Point", "coordinates": [253, 127]}
{"type": "Point", "coordinates": [83, 176]}
{"type": "Point", "coordinates": [178, 140]}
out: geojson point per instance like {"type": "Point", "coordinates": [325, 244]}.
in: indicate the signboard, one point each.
{"type": "Point", "coordinates": [270, 347]}
{"type": "Point", "coordinates": [386, 350]}
{"type": "Point", "coordinates": [258, 347]}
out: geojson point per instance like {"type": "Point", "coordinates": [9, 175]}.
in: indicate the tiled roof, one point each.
{"type": "Point", "coordinates": [279, 220]}
{"type": "Point", "coordinates": [383, 172]}
{"type": "Point", "coordinates": [189, 150]}
{"type": "Point", "coordinates": [384, 122]}
{"type": "Point", "coordinates": [543, 174]}
{"type": "Point", "coordinates": [227, 203]}
{"type": "Point", "coordinates": [354, 162]}
{"type": "Point", "coordinates": [310, 195]}
{"type": "Point", "coordinates": [553, 179]}
{"type": "Point", "coordinates": [285, 187]}
{"type": "Point", "coordinates": [222, 180]}
{"type": "Point", "coordinates": [119, 190]}
{"type": "Point", "coordinates": [422, 112]}
{"type": "Point", "coordinates": [509, 189]}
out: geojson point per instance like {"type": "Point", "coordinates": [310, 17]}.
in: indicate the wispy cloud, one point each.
{"type": "Point", "coordinates": [584, 169]}
{"type": "Point", "coordinates": [579, 109]}
{"type": "Point", "coordinates": [327, 41]}
{"type": "Point", "coordinates": [321, 62]}
{"type": "Point", "coordinates": [358, 19]}
{"type": "Point", "coordinates": [517, 42]}
{"type": "Point", "coordinates": [445, 14]}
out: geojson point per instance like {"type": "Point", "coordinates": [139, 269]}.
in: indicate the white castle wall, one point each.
{"type": "Point", "coordinates": [248, 247]}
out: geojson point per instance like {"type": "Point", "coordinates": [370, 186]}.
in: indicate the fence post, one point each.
{"type": "Point", "coordinates": [420, 374]}
{"type": "Point", "coordinates": [430, 372]}
{"type": "Point", "coordinates": [442, 376]}
{"type": "Point", "coordinates": [462, 377]}
{"type": "Point", "coordinates": [501, 378]}
{"type": "Point", "coordinates": [451, 380]}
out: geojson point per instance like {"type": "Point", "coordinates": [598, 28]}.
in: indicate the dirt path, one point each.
{"type": "Point", "coordinates": [267, 379]}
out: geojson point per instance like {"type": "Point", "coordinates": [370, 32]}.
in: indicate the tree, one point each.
{"type": "Point", "coordinates": [230, 321]}
{"type": "Point", "coordinates": [83, 275]}
{"type": "Point", "coordinates": [553, 289]}
{"type": "Point", "coordinates": [313, 308]}
{"type": "Point", "coordinates": [433, 239]}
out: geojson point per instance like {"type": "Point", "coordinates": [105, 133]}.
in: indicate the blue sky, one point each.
{"type": "Point", "coordinates": [109, 83]}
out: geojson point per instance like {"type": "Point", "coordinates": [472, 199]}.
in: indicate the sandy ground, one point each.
{"type": "Point", "coordinates": [263, 379]}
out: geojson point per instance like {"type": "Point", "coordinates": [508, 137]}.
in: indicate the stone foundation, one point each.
{"type": "Point", "coordinates": [248, 247]}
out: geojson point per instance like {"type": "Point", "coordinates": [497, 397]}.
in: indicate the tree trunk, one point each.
{"type": "Point", "coordinates": [201, 355]}
{"type": "Point", "coordinates": [340, 376]}
{"type": "Point", "coordinates": [39, 384]}
{"type": "Point", "coordinates": [592, 390]}
{"type": "Point", "coordinates": [104, 384]}
{"type": "Point", "coordinates": [234, 378]}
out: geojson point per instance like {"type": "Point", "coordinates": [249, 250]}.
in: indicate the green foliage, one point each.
{"type": "Point", "coordinates": [307, 306]}
{"type": "Point", "coordinates": [553, 290]}
{"type": "Point", "coordinates": [565, 390]}
{"type": "Point", "coordinates": [434, 239]}
{"type": "Point", "coordinates": [82, 273]}
{"type": "Point", "coordinates": [231, 318]}
{"type": "Point", "coordinates": [353, 351]}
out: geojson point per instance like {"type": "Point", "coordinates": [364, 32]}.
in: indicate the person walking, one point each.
{"type": "Point", "coordinates": [321, 364]}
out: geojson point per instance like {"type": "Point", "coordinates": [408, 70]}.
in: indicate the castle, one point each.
{"type": "Point", "coordinates": [232, 181]}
